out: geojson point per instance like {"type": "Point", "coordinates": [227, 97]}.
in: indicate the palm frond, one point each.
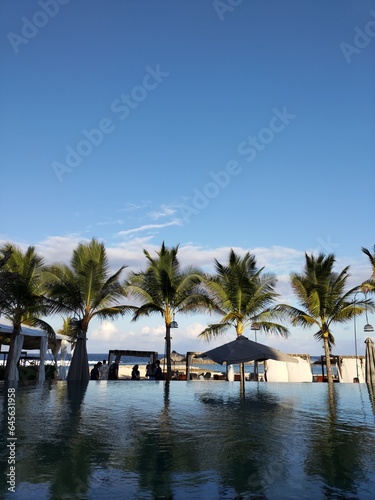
{"type": "Point", "coordinates": [214, 330]}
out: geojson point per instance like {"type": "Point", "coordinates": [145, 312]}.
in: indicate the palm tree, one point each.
{"type": "Point", "coordinates": [244, 296]}
{"type": "Point", "coordinates": [25, 302]}
{"type": "Point", "coordinates": [85, 290]}
{"type": "Point", "coordinates": [323, 300]}
{"type": "Point", "coordinates": [164, 288]}
{"type": "Point", "coordinates": [67, 328]}
{"type": "Point", "coordinates": [369, 285]}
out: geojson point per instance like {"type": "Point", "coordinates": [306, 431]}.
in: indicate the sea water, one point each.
{"type": "Point", "coordinates": [189, 440]}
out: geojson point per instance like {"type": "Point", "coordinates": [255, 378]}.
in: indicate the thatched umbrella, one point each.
{"type": "Point", "coordinates": [177, 358]}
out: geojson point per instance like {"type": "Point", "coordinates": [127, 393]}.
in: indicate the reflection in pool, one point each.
{"type": "Point", "coordinates": [191, 440]}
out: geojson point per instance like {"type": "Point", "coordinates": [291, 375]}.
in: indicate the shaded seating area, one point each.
{"type": "Point", "coordinates": [117, 354]}
{"type": "Point", "coordinates": [334, 363]}
{"type": "Point", "coordinates": [193, 358]}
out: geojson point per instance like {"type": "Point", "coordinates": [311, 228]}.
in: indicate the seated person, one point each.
{"type": "Point", "coordinates": [135, 373]}
{"type": "Point", "coordinates": [95, 373]}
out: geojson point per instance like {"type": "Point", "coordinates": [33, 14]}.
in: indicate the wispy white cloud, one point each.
{"type": "Point", "coordinates": [164, 211]}
{"type": "Point", "coordinates": [148, 227]}
{"type": "Point", "coordinates": [131, 207]}
{"type": "Point", "coordinates": [111, 222]}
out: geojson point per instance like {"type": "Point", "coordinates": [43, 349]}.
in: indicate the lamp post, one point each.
{"type": "Point", "coordinates": [255, 327]}
{"type": "Point", "coordinates": [368, 328]}
{"type": "Point", "coordinates": [167, 349]}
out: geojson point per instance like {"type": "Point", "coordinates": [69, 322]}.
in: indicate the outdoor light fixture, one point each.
{"type": "Point", "coordinates": [174, 323]}
{"type": "Point", "coordinates": [367, 329]}
{"type": "Point", "coordinates": [256, 329]}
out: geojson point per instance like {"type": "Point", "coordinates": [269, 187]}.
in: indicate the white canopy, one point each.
{"type": "Point", "coordinates": [30, 338]}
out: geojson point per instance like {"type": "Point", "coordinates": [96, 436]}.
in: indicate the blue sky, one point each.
{"type": "Point", "coordinates": [208, 124]}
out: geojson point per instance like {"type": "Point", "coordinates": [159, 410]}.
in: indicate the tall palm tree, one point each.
{"type": "Point", "coordinates": [369, 285]}
{"type": "Point", "coordinates": [165, 288]}
{"type": "Point", "coordinates": [324, 300]}
{"type": "Point", "coordinates": [86, 290]}
{"type": "Point", "coordinates": [25, 302]}
{"type": "Point", "coordinates": [244, 295]}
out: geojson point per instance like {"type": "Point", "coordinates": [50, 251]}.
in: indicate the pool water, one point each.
{"type": "Point", "coordinates": [190, 440]}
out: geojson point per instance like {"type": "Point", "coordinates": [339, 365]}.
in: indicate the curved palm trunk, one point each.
{"type": "Point", "coordinates": [168, 351]}
{"type": "Point", "coordinates": [328, 360]}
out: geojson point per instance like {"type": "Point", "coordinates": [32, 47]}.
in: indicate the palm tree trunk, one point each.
{"type": "Point", "coordinates": [12, 360]}
{"type": "Point", "coordinates": [328, 360]}
{"type": "Point", "coordinates": [79, 365]}
{"type": "Point", "coordinates": [168, 351]}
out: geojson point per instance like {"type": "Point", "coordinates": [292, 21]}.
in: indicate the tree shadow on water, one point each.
{"type": "Point", "coordinates": [248, 446]}
{"type": "Point", "coordinates": [337, 451]}
{"type": "Point", "coordinates": [160, 451]}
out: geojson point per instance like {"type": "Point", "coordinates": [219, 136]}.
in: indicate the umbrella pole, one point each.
{"type": "Point", "coordinates": [242, 378]}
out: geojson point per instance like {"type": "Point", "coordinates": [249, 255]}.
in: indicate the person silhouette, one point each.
{"type": "Point", "coordinates": [135, 373]}
{"type": "Point", "coordinates": [95, 372]}
{"type": "Point", "coordinates": [158, 373]}
{"type": "Point", "coordinates": [113, 371]}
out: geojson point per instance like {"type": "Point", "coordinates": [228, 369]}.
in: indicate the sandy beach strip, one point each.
{"type": "Point", "coordinates": [125, 371]}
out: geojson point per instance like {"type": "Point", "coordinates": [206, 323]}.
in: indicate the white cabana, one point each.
{"type": "Point", "coordinates": [29, 338]}
{"type": "Point", "coordinates": [280, 371]}
{"type": "Point", "coordinates": [275, 371]}
{"type": "Point", "coordinates": [350, 368]}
